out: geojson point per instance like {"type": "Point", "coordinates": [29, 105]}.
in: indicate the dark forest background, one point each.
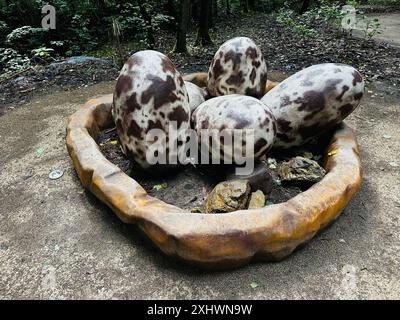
{"type": "Point", "coordinates": [104, 27]}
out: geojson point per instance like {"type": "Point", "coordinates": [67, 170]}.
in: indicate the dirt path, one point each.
{"type": "Point", "coordinates": [390, 24]}
{"type": "Point", "coordinates": [57, 241]}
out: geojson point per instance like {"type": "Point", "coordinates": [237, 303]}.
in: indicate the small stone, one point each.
{"type": "Point", "coordinates": [257, 200]}
{"type": "Point", "coordinates": [308, 155]}
{"type": "Point", "coordinates": [228, 196]}
{"type": "Point", "coordinates": [259, 179]}
{"type": "Point", "coordinates": [301, 170]}
{"type": "Point", "coordinates": [56, 174]}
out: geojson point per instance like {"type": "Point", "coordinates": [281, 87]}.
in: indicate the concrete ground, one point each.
{"type": "Point", "coordinates": [390, 27]}
{"type": "Point", "coordinates": [58, 241]}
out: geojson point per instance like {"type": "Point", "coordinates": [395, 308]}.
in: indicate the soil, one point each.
{"type": "Point", "coordinates": [54, 77]}
{"type": "Point", "coordinates": [58, 241]}
{"type": "Point", "coordinates": [285, 52]}
{"type": "Point", "coordinates": [189, 186]}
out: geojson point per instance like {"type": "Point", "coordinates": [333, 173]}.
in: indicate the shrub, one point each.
{"type": "Point", "coordinates": [11, 61]}
{"type": "Point", "coordinates": [26, 38]}
{"type": "Point", "coordinates": [42, 54]}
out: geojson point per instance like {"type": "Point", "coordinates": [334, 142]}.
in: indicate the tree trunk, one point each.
{"type": "Point", "coordinates": [228, 8]}
{"type": "Point", "coordinates": [305, 5]}
{"type": "Point", "coordinates": [252, 5]}
{"type": "Point", "coordinates": [215, 8]}
{"type": "Point", "coordinates": [195, 10]}
{"type": "Point", "coordinates": [170, 7]}
{"type": "Point", "coordinates": [210, 14]}
{"type": "Point", "coordinates": [184, 13]}
{"type": "Point", "coordinates": [245, 5]}
{"type": "Point", "coordinates": [149, 25]}
{"type": "Point", "coordinates": [203, 36]}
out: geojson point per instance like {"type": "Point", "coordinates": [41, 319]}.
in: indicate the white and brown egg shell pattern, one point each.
{"type": "Point", "coordinates": [150, 93]}
{"type": "Point", "coordinates": [196, 94]}
{"type": "Point", "coordinates": [238, 67]}
{"type": "Point", "coordinates": [237, 112]}
{"type": "Point", "coordinates": [313, 101]}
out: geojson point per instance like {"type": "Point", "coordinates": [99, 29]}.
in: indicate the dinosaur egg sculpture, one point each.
{"type": "Point", "coordinates": [232, 123]}
{"type": "Point", "coordinates": [196, 94]}
{"type": "Point", "coordinates": [237, 67]}
{"type": "Point", "coordinates": [150, 94]}
{"type": "Point", "coordinates": [313, 101]}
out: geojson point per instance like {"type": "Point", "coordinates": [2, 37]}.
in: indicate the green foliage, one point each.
{"type": "Point", "coordinates": [287, 18]}
{"type": "Point", "coordinates": [326, 11]}
{"type": "Point", "coordinates": [43, 53]}
{"type": "Point", "coordinates": [4, 29]}
{"type": "Point", "coordinates": [26, 38]}
{"type": "Point", "coordinates": [353, 3]}
{"type": "Point", "coordinates": [372, 27]}
{"type": "Point", "coordinates": [381, 2]}
{"type": "Point", "coordinates": [11, 61]}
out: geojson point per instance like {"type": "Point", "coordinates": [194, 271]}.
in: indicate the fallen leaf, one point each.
{"type": "Point", "coordinates": [268, 203]}
{"type": "Point", "coordinates": [277, 182]}
{"type": "Point", "coordinates": [159, 187]}
{"type": "Point", "coordinates": [39, 151]}
{"type": "Point", "coordinates": [109, 242]}
{"type": "Point", "coordinates": [196, 210]}
{"type": "Point", "coordinates": [113, 142]}
{"type": "Point", "coordinates": [308, 155]}
{"type": "Point", "coordinates": [254, 285]}
{"type": "Point", "coordinates": [331, 153]}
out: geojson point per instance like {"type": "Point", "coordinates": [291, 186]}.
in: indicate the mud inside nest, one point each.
{"type": "Point", "coordinates": [188, 186]}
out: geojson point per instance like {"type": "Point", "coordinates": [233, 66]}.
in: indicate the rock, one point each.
{"type": "Point", "coordinates": [78, 60]}
{"type": "Point", "coordinates": [228, 196]}
{"type": "Point", "coordinates": [257, 200]}
{"type": "Point", "coordinates": [301, 170]}
{"type": "Point", "coordinates": [259, 179]}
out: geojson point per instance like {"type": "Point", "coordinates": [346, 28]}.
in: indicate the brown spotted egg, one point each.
{"type": "Point", "coordinates": [237, 67]}
{"type": "Point", "coordinates": [224, 114]}
{"type": "Point", "coordinates": [150, 94]}
{"type": "Point", "coordinates": [196, 94]}
{"type": "Point", "coordinates": [313, 101]}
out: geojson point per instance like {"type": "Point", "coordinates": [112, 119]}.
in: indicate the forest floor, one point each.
{"type": "Point", "coordinates": [59, 241]}
{"type": "Point", "coordinates": [285, 52]}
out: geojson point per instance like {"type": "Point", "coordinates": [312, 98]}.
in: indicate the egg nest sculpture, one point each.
{"type": "Point", "coordinates": [214, 241]}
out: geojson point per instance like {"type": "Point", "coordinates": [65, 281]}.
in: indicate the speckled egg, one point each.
{"type": "Point", "coordinates": [313, 101]}
{"type": "Point", "coordinates": [237, 67]}
{"type": "Point", "coordinates": [150, 94]}
{"type": "Point", "coordinates": [222, 114]}
{"type": "Point", "coordinates": [196, 94]}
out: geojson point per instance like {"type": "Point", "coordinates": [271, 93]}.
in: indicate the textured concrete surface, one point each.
{"type": "Point", "coordinates": [390, 28]}
{"type": "Point", "coordinates": [57, 241]}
